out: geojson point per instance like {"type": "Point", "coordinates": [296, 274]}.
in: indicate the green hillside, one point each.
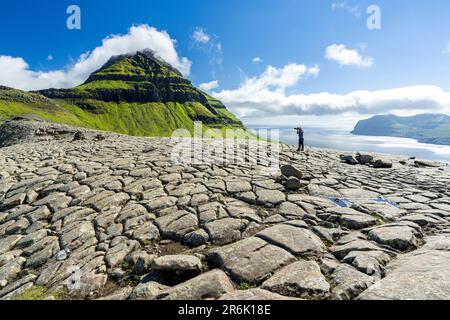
{"type": "Point", "coordinates": [425, 128]}
{"type": "Point", "coordinates": [133, 94]}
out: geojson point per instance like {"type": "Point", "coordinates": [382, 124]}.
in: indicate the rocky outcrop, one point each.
{"type": "Point", "coordinates": [152, 90]}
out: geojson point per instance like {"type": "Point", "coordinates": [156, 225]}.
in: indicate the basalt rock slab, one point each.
{"type": "Point", "coordinates": [251, 260]}
{"type": "Point", "coordinates": [254, 294]}
{"type": "Point", "coordinates": [298, 241]}
{"type": "Point", "coordinates": [302, 279]}
{"type": "Point", "coordinates": [419, 275]}
{"type": "Point", "coordinates": [209, 285]}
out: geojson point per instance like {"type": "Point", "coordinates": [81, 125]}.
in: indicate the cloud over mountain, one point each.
{"type": "Point", "coordinates": [17, 73]}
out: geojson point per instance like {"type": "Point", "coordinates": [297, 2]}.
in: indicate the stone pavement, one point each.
{"type": "Point", "coordinates": [110, 216]}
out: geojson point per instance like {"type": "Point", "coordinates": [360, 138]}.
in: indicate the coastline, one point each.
{"type": "Point", "coordinates": [342, 141]}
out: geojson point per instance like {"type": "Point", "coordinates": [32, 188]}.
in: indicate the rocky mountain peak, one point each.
{"type": "Point", "coordinates": [138, 77]}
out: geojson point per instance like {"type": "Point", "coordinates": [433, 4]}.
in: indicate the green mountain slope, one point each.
{"type": "Point", "coordinates": [134, 94]}
{"type": "Point", "coordinates": [425, 128]}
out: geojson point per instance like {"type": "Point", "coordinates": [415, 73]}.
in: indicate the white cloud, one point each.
{"type": "Point", "coordinates": [257, 60]}
{"type": "Point", "coordinates": [265, 96]}
{"type": "Point", "coordinates": [201, 36]}
{"type": "Point", "coordinates": [16, 72]}
{"type": "Point", "coordinates": [209, 85]}
{"type": "Point", "coordinates": [209, 44]}
{"type": "Point", "coordinates": [279, 79]}
{"type": "Point", "coordinates": [347, 57]}
{"type": "Point", "coordinates": [314, 70]}
{"type": "Point", "coordinates": [49, 57]}
{"type": "Point", "coordinates": [353, 10]}
{"type": "Point", "coordinates": [337, 5]}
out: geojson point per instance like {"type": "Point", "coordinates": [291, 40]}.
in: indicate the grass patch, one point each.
{"type": "Point", "coordinates": [126, 265]}
{"type": "Point", "coordinates": [54, 113]}
{"type": "Point", "coordinates": [105, 84]}
{"type": "Point", "coordinates": [149, 119]}
{"type": "Point", "coordinates": [245, 286]}
{"type": "Point", "coordinates": [345, 224]}
{"type": "Point", "coordinates": [40, 293]}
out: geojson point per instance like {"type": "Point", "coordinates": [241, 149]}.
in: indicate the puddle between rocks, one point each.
{"type": "Point", "coordinates": [347, 203]}
{"type": "Point", "coordinates": [382, 199]}
{"type": "Point", "coordinates": [343, 203]}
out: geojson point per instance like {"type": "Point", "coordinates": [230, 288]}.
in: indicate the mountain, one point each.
{"type": "Point", "coordinates": [136, 94]}
{"type": "Point", "coordinates": [425, 128]}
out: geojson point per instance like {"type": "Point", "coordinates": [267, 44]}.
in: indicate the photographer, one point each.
{"type": "Point", "coordinates": [301, 139]}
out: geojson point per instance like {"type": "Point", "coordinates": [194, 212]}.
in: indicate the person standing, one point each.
{"type": "Point", "coordinates": [301, 139]}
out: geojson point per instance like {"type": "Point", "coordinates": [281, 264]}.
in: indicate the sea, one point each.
{"type": "Point", "coordinates": [343, 140]}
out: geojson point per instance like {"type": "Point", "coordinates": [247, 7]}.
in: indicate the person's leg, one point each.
{"type": "Point", "coordinates": [303, 144]}
{"type": "Point", "coordinates": [299, 145]}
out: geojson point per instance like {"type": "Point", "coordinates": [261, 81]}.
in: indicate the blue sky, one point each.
{"type": "Point", "coordinates": [411, 49]}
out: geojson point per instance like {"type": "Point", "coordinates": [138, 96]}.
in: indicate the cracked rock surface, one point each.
{"type": "Point", "coordinates": [115, 218]}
